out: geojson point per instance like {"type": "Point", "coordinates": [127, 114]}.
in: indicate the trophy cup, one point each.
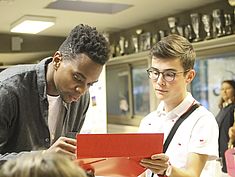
{"type": "Point", "coordinates": [228, 24]}
{"type": "Point", "coordinates": [195, 19]}
{"type": "Point", "coordinates": [162, 34]}
{"type": "Point", "coordinates": [145, 41]}
{"type": "Point", "coordinates": [126, 46]}
{"type": "Point", "coordinates": [172, 22]}
{"type": "Point", "coordinates": [135, 43]}
{"type": "Point", "coordinates": [155, 38]}
{"type": "Point", "coordinates": [206, 19]}
{"type": "Point", "coordinates": [218, 22]}
{"type": "Point", "coordinates": [106, 36]}
{"type": "Point", "coordinates": [122, 45]}
{"type": "Point", "coordinates": [188, 32]}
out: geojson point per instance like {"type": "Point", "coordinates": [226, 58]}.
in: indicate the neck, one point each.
{"type": "Point", "coordinates": [171, 104]}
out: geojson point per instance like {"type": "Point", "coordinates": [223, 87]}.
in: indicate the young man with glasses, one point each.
{"type": "Point", "coordinates": [43, 105]}
{"type": "Point", "coordinates": [195, 142]}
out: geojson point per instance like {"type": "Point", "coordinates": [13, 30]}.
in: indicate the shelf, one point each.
{"type": "Point", "coordinates": [204, 48]}
{"type": "Point", "coordinates": [215, 43]}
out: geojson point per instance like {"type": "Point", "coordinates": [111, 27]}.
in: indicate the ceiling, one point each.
{"type": "Point", "coordinates": [141, 11]}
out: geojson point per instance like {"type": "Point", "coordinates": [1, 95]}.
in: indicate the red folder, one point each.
{"type": "Point", "coordinates": [117, 155]}
{"type": "Point", "coordinates": [230, 161]}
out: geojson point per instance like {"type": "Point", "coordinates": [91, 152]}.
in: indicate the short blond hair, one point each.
{"type": "Point", "coordinates": [41, 165]}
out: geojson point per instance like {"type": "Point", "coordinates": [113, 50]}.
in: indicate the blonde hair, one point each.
{"type": "Point", "coordinates": [41, 165]}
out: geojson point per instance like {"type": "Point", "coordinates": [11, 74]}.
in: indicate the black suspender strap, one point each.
{"type": "Point", "coordinates": [176, 126]}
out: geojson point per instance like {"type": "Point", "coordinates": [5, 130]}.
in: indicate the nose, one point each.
{"type": "Point", "coordinates": [160, 80]}
{"type": "Point", "coordinates": [81, 89]}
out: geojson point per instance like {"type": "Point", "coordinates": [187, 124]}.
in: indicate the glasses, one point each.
{"type": "Point", "coordinates": [168, 76]}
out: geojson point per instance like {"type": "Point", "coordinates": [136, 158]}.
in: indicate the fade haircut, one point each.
{"type": "Point", "coordinates": [175, 46]}
{"type": "Point", "coordinates": [84, 39]}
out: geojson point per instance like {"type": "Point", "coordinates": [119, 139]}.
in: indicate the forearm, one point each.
{"type": "Point", "coordinates": [177, 172]}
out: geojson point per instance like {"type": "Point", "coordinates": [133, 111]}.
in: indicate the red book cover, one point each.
{"type": "Point", "coordinates": [117, 154]}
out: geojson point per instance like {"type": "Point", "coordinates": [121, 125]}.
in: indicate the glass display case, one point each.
{"type": "Point", "coordinates": [130, 95]}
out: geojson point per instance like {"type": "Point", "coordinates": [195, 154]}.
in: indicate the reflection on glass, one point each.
{"type": "Point", "coordinates": [117, 92]}
{"type": "Point", "coordinates": [140, 91]}
{"type": "Point", "coordinates": [210, 73]}
{"type": "Point", "coordinates": [128, 97]}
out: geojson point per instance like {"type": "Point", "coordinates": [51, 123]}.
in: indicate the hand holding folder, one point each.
{"type": "Point", "coordinates": [117, 154]}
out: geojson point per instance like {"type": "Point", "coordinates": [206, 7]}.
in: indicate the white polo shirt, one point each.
{"type": "Point", "coordinates": [198, 133]}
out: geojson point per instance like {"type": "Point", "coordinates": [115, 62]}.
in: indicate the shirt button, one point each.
{"type": "Point", "coordinates": [47, 140]}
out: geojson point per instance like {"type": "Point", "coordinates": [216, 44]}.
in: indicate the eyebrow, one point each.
{"type": "Point", "coordinates": [169, 69]}
{"type": "Point", "coordinates": [83, 77]}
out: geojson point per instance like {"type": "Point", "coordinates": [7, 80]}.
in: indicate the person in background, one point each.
{"type": "Point", "coordinates": [225, 117]}
{"type": "Point", "coordinates": [43, 106]}
{"type": "Point", "coordinates": [194, 146]}
{"type": "Point", "coordinates": [41, 165]}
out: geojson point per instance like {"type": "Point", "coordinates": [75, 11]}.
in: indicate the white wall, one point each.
{"type": "Point", "coordinates": [96, 118]}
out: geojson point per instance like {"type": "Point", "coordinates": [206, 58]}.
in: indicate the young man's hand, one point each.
{"type": "Point", "coordinates": [158, 163]}
{"type": "Point", "coordinates": [65, 146]}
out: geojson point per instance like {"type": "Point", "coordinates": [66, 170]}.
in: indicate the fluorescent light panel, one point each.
{"type": "Point", "coordinates": [89, 6]}
{"type": "Point", "coordinates": [32, 24]}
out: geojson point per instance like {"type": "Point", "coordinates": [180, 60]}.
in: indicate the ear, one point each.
{"type": "Point", "coordinates": [190, 76]}
{"type": "Point", "coordinates": [57, 58]}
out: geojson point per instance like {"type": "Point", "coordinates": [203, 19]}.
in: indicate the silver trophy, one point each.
{"type": "Point", "coordinates": [188, 32]}
{"type": "Point", "coordinates": [122, 45]}
{"type": "Point", "coordinates": [126, 46]}
{"type": "Point", "coordinates": [228, 24]}
{"type": "Point", "coordinates": [207, 22]}
{"type": "Point", "coordinates": [218, 22]}
{"type": "Point", "coordinates": [172, 22]}
{"type": "Point", "coordinates": [161, 34]}
{"type": "Point", "coordinates": [135, 43]}
{"type": "Point", "coordinates": [196, 20]}
{"type": "Point", "coordinates": [145, 41]}
{"type": "Point", "coordinates": [155, 38]}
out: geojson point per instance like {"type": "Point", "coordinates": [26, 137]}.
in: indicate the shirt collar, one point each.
{"type": "Point", "coordinates": [177, 111]}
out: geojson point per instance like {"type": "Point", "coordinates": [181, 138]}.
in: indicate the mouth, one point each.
{"type": "Point", "coordinates": [74, 99]}
{"type": "Point", "coordinates": [160, 91]}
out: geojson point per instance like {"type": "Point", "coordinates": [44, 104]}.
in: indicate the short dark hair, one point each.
{"type": "Point", "coordinates": [175, 46]}
{"type": "Point", "coordinates": [84, 39]}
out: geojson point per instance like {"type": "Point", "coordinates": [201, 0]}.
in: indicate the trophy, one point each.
{"type": "Point", "coordinates": [122, 45]}
{"type": "Point", "coordinates": [172, 22]}
{"type": "Point", "coordinates": [106, 36]}
{"type": "Point", "coordinates": [162, 34]}
{"type": "Point", "coordinates": [145, 41]}
{"type": "Point", "coordinates": [207, 21]}
{"type": "Point", "coordinates": [155, 38]}
{"type": "Point", "coordinates": [195, 19]}
{"type": "Point", "coordinates": [228, 24]}
{"type": "Point", "coordinates": [188, 32]}
{"type": "Point", "coordinates": [180, 30]}
{"type": "Point", "coordinates": [135, 43]}
{"type": "Point", "coordinates": [126, 46]}
{"type": "Point", "coordinates": [117, 50]}
{"type": "Point", "coordinates": [218, 22]}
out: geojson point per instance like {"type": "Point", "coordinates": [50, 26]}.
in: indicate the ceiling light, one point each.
{"type": "Point", "coordinates": [231, 2]}
{"type": "Point", "coordinates": [32, 24]}
{"type": "Point", "coordinates": [89, 6]}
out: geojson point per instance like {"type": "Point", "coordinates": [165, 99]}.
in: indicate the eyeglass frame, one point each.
{"type": "Point", "coordinates": [164, 75]}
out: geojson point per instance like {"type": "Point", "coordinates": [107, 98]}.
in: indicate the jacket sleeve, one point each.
{"type": "Point", "coordinates": [8, 112]}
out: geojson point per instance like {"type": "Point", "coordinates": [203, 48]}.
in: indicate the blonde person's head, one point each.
{"type": "Point", "coordinates": [41, 165]}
